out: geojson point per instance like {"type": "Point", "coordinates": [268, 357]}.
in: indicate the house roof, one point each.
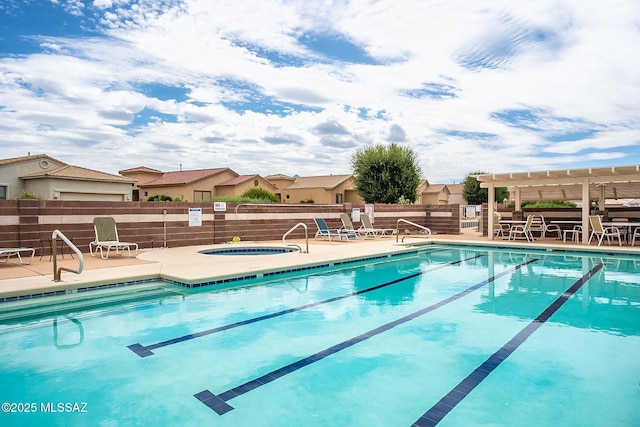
{"type": "Point", "coordinates": [140, 169]}
{"type": "Point", "coordinates": [78, 173]}
{"type": "Point", "coordinates": [280, 176]}
{"type": "Point", "coordinates": [244, 178]}
{"type": "Point", "coordinates": [184, 177]}
{"type": "Point", "coordinates": [436, 188]}
{"type": "Point", "coordinates": [325, 181]}
{"type": "Point", "coordinates": [455, 188]}
{"type": "Point", "coordinates": [5, 162]}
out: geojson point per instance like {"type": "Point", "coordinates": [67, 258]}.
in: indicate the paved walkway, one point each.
{"type": "Point", "coordinates": [186, 264]}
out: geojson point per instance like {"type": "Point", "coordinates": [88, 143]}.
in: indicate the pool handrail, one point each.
{"type": "Point", "coordinates": [306, 236]}
{"type": "Point", "coordinates": [422, 227]}
{"type": "Point", "coordinates": [57, 272]}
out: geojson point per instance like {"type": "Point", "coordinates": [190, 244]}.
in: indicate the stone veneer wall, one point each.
{"type": "Point", "coordinates": [24, 222]}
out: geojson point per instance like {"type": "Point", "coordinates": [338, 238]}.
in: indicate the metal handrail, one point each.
{"type": "Point", "coordinates": [58, 271]}
{"type": "Point", "coordinates": [428, 231]}
{"type": "Point", "coordinates": [306, 236]}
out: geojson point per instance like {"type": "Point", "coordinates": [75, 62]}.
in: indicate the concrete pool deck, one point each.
{"type": "Point", "coordinates": [186, 264]}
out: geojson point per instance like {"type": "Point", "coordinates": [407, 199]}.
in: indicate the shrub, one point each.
{"type": "Point", "coordinates": [29, 195]}
{"type": "Point", "coordinates": [549, 204]}
{"type": "Point", "coordinates": [258, 193]}
{"type": "Point", "coordinates": [307, 201]}
{"type": "Point", "coordinates": [159, 198]}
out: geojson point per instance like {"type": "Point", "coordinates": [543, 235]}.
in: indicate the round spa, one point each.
{"type": "Point", "coordinates": [249, 250]}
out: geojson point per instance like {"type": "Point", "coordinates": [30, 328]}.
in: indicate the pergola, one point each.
{"type": "Point", "coordinates": [613, 182]}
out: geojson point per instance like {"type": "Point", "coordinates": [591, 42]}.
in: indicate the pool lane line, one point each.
{"type": "Point", "coordinates": [144, 351]}
{"type": "Point", "coordinates": [219, 402]}
{"type": "Point", "coordinates": [438, 411]}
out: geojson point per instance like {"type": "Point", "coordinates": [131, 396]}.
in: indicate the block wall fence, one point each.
{"type": "Point", "coordinates": [24, 222]}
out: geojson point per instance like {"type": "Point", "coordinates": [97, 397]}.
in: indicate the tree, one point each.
{"type": "Point", "coordinates": [385, 174]}
{"type": "Point", "coordinates": [474, 195]}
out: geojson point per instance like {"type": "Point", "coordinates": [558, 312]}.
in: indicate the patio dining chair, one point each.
{"type": "Point", "coordinates": [636, 233]}
{"type": "Point", "coordinates": [523, 230]}
{"type": "Point", "coordinates": [600, 232]}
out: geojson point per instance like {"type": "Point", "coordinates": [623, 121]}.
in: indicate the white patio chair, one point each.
{"type": "Point", "coordinates": [524, 230]}
{"type": "Point", "coordinates": [599, 232]}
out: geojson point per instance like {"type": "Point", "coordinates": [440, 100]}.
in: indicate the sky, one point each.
{"type": "Point", "coordinates": [297, 87]}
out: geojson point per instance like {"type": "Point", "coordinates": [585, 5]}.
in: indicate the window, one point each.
{"type": "Point", "coordinates": [338, 197]}
{"type": "Point", "coordinates": [3, 192]}
{"type": "Point", "coordinates": [199, 196]}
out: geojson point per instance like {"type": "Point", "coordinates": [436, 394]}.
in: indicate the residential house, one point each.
{"type": "Point", "coordinates": [141, 174]}
{"type": "Point", "coordinates": [189, 186]}
{"type": "Point", "coordinates": [237, 186]}
{"type": "Point", "coordinates": [432, 194]}
{"type": "Point", "coordinates": [325, 189]}
{"type": "Point", "coordinates": [52, 179]}
{"type": "Point", "coordinates": [455, 194]}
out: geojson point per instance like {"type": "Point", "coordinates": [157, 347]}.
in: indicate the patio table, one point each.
{"type": "Point", "coordinates": [623, 224]}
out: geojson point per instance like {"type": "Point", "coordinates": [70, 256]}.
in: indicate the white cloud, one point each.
{"type": "Point", "coordinates": [573, 63]}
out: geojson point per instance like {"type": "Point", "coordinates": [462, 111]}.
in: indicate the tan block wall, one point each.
{"type": "Point", "coordinates": [25, 222]}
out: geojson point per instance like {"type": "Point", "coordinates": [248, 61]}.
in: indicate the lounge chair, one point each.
{"type": "Point", "coordinates": [6, 253]}
{"type": "Point", "coordinates": [107, 238]}
{"type": "Point", "coordinates": [599, 232]}
{"type": "Point", "coordinates": [368, 227]}
{"type": "Point", "coordinates": [324, 231]}
{"type": "Point", "coordinates": [347, 225]}
{"type": "Point", "coordinates": [524, 230]}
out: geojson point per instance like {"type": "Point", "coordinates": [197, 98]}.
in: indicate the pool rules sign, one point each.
{"type": "Point", "coordinates": [195, 217]}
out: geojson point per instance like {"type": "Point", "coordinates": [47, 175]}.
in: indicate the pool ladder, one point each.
{"type": "Point", "coordinates": [306, 237]}
{"type": "Point", "coordinates": [420, 227]}
{"type": "Point", "coordinates": [58, 271]}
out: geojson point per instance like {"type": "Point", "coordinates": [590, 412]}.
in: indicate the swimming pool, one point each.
{"type": "Point", "coordinates": [460, 335]}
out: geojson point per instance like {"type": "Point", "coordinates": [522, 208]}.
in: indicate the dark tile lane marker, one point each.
{"type": "Point", "coordinates": [144, 351]}
{"type": "Point", "coordinates": [219, 402]}
{"type": "Point", "coordinates": [438, 411]}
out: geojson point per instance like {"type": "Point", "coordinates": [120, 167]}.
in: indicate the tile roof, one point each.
{"type": "Point", "coordinates": [244, 178]}
{"type": "Point", "coordinates": [140, 169]}
{"type": "Point", "coordinates": [325, 181]}
{"type": "Point", "coordinates": [279, 176]}
{"type": "Point", "coordinates": [183, 177]}
{"type": "Point", "coordinates": [435, 188]}
{"type": "Point", "coordinates": [4, 162]}
{"type": "Point", "coordinates": [76, 172]}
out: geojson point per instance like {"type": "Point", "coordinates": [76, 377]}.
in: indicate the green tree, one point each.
{"type": "Point", "coordinates": [261, 194]}
{"type": "Point", "coordinates": [386, 174]}
{"type": "Point", "coordinates": [474, 195]}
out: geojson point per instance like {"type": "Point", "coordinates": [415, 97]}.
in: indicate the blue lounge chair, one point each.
{"type": "Point", "coordinates": [324, 231]}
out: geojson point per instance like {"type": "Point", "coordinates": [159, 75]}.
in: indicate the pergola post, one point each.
{"type": "Point", "coordinates": [492, 200]}
{"type": "Point", "coordinates": [586, 206]}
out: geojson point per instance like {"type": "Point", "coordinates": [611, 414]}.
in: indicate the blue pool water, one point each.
{"type": "Point", "coordinates": [453, 336]}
